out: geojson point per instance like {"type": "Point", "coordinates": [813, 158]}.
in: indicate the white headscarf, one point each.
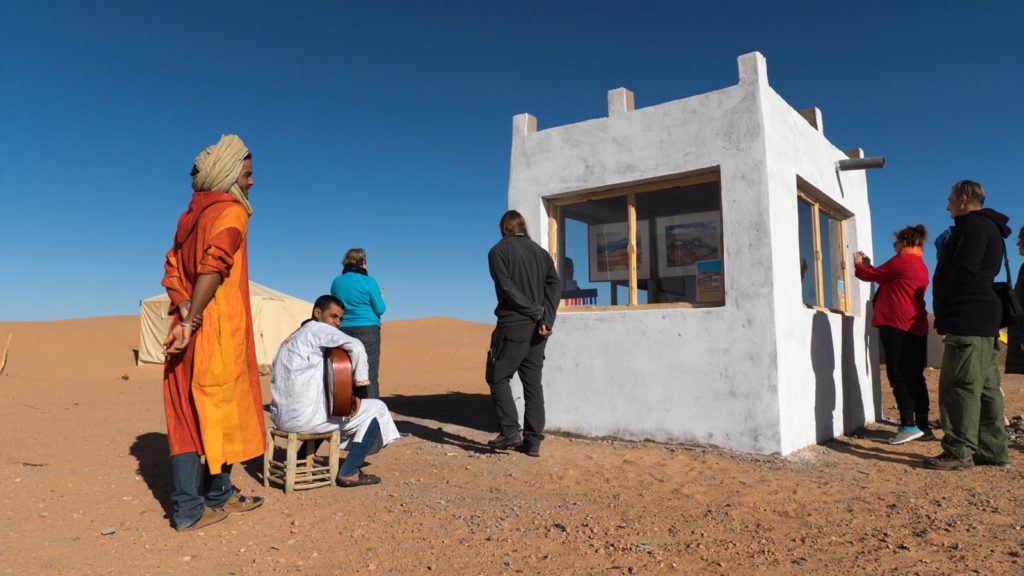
{"type": "Point", "coordinates": [218, 167]}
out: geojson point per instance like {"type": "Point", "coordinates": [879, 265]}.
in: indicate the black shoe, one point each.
{"type": "Point", "coordinates": [503, 442]}
{"type": "Point", "coordinates": [531, 449]}
{"type": "Point", "coordinates": [362, 479]}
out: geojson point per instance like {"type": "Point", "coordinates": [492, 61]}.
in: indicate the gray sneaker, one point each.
{"type": "Point", "coordinates": [906, 434]}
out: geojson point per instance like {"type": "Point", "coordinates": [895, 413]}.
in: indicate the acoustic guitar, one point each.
{"type": "Point", "coordinates": [338, 383]}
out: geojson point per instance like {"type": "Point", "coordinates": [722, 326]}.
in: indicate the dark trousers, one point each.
{"type": "Point", "coordinates": [195, 487]}
{"type": "Point", "coordinates": [517, 349]}
{"type": "Point", "coordinates": [370, 337]}
{"type": "Point", "coordinates": [905, 358]}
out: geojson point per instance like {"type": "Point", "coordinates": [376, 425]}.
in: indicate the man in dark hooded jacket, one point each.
{"type": "Point", "coordinates": [967, 314]}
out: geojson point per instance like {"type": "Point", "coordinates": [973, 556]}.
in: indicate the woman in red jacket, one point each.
{"type": "Point", "coordinates": [902, 323]}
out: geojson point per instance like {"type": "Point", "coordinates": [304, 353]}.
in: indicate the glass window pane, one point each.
{"type": "Point", "coordinates": [681, 229]}
{"type": "Point", "coordinates": [808, 279]}
{"type": "Point", "coordinates": [826, 259]}
{"type": "Point", "coordinates": [832, 262]}
{"type": "Point", "coordinates": [594, 259]}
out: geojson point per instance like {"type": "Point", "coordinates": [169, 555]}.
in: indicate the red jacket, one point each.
{"type": "Point", "coordinates": [899, 301]}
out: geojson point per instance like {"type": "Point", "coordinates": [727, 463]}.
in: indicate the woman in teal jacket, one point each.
{"type": "Point", "coordinates": [364, 305]}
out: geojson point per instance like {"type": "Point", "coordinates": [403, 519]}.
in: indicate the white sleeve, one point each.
{"type": "Point", "coordinates": [327, 336]}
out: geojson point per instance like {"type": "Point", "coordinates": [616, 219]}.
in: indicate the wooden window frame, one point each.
{"type": "Point", "coordinates": [819, 274]}
{"type": "Point", "coordinates": [630, 193]}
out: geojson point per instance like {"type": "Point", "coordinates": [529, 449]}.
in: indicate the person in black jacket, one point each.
{"type": "Point", "coordinates": [1015, 333]}
{"type": "Point", "coordinates": [528, 291]}
{"type": "Point", "coordinates": [968, 314]}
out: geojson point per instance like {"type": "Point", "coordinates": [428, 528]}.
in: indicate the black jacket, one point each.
{"type": "Point", "coordinates": [525, 282]}
{"type": "Point", "coordinates": [962, 295]}
{"type": "Point", "coordinates": [1014, 355]}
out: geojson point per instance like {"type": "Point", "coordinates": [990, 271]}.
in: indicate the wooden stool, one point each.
{"type": "Point", "coordinates": [311, 472]}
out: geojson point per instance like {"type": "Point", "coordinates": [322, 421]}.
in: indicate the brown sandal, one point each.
{"type": "Point", "coordinates": [210, 516]}
{"type": "Point", "coordinates": [238, 503]}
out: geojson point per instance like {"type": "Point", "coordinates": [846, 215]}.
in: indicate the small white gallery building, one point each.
{"type": "Point", "coordinates": [705, 247]}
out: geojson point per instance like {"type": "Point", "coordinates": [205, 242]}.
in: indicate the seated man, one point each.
{"type": "Point", "coordinates": [299, 401]}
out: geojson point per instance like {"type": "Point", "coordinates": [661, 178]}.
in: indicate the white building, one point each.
{"type": "Point", "coordinates": [710, 241]}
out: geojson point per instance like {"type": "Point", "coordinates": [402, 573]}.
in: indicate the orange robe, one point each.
{"type": "Point", "coordinates": [212, 395]}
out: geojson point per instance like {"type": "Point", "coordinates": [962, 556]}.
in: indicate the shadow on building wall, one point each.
{"type": "Point", "coordinates": [853, 401]}
{"type": "Point", "coordinates": [823, 361]}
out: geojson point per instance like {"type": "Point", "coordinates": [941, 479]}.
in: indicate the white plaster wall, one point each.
{"type": "Point", "coordinates": [827, 361]}
{"type": "Point", "coordinates": [702, 375]}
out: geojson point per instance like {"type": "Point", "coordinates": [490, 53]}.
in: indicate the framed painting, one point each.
{"type": "Point", "coordinates": [710, 287]}
{"type": "Point", "coordinates": [609, 257]}
{"type": "Point", "coordinates": [685, 239]}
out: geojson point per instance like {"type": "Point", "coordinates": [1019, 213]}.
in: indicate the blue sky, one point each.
{"type": "Point", "coordinates": [387, 125]}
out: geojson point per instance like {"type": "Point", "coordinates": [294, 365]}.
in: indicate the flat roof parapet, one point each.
{"type": "Point", "coordinates": [753, 69]}
{"type": "Point", "coordinates": [813, 117]}
{"type": "Point", "coordinates": [523, 125]}
{"type": "Point", "coordinates": [620, 101]}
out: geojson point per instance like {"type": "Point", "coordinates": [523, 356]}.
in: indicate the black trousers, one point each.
{"type": "Point", "coordinates": [517, 349]}
{"type": "Point", "coordinates": [905, 357]}
{"type": "Point", "coordinates": [370, 337]}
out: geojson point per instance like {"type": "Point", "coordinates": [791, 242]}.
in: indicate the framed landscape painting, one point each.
{"type": "Point", "coordinates": [685, 239]}
{"type": "Point", "coordinates": [609, 257]}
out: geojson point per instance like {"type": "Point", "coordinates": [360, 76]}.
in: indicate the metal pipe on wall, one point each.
{"type": "Point", "coordinates": [860, 163]}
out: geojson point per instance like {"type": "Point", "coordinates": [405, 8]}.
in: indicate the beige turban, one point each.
{"type": "Point", "coordinates": [218, 167]}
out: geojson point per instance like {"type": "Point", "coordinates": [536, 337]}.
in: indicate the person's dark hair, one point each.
{"type": "Point", "coordinates": [248, 156]}
{"type": "Point", "coordinates": [1020, 235]}
{"type": "Point", "coordinates": [512, 222]}
{"type": "Point", "coordinates": [912, 235]}
{"type": "Point", "coordinates": [325, 301]}
{"type": "Point", "coordinates": [970, 189]}
{"type": "Point", "coordinates": [354, 257]}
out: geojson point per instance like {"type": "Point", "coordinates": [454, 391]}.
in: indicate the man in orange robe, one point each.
{"type": "Point", "coordinates": [212, 393]}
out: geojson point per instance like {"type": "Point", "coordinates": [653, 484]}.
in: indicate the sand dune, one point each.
{"type": "Point", "coordinates": [105, 347]}
{"type": "Point", "coordinates": [77, 349]}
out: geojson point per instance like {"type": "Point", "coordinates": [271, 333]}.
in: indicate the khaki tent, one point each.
{"type": "Point", "coordinates": [275, 315]}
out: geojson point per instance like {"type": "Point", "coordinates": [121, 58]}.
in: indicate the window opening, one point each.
{"type": "Point", "coordinates": [642, 246]}
{"type": "Point", "coordinates": [822, 245]}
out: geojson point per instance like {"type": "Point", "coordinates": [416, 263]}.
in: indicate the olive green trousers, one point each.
{"type": "Point", "coordinates": [970, 400]}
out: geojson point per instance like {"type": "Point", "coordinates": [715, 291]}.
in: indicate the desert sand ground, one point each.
{"type": "Point", "coordinates": [83, 450]}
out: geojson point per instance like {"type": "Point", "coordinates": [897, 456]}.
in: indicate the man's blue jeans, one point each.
{"type": "Point", "coordinates": [195, 487]}
{"type": "Point", "coordinates": [357, 451]}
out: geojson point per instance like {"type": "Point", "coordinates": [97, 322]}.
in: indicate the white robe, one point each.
{"type": "Point", "coordinates": [299, 402]}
